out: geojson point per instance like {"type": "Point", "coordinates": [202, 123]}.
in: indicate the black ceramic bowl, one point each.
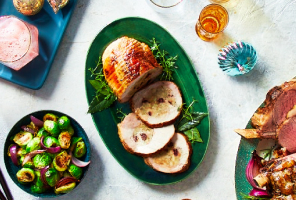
{"type": "Point", "coordinates": [12, 169]}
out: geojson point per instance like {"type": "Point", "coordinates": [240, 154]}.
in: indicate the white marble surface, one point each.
{"type": "Point", "coordinates": [269, 25]}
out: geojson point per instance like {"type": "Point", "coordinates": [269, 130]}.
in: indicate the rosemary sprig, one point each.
{"type": "Point", "coordinates": [166, 61]}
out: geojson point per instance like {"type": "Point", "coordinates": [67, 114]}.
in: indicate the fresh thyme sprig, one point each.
{"type": "Point", "coordinates": [167, 62]}
{"type": "Point", "coordinates": [120, 112]}
{"type": "Point", "coordinates": [104, 95]}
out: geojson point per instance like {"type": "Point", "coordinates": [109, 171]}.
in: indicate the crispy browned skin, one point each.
{"type": "Point", "coordinates": [125, 61]}
{"type": "Point", "coordinates": [279, 176]}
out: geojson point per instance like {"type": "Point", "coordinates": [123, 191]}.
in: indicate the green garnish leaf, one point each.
{"type": "Point", "coordinates": [188, 122]}
{"type": "Point", "coordinates": [193, 135]}
{"type": "Point", "coordinates": [104, 95]}
{"type": "Point", "coordinates": [99, 103]}
{"type": "Point", "coordinates": [166, 61]}
{"type": "Point", "coordinates": [187, 125]}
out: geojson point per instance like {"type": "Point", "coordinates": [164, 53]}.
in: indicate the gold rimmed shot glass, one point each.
{"type": "Point", "coordinates": [213, 19]}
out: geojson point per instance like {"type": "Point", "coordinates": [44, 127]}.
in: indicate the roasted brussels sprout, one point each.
{"type": "Point", "coordinates": [79, 150]}
{"type": "Point", "coordinates": [38, 186]}
{"type": "Point", "coordinates": [65, 188]}
{"type": "Point", "coordinates": [23, 138]}
{"type": "Point", "coordinates": [34, 144]}
{"type": "Point", "coordinates": [25, 175]}
{"type": "Point", "coordinates": [74, 141]}
{"type": "Point", "coordinates": [50, 141]}
{"type": "Point", "coordinates": [42, 132]}
{"type": "Point", "coordinates": [65, 139]}
{"type": "Point", "coordinates": [51, 117]}
{"type": "Point", "coordinates": [52, 127]}
{"type": "Point", "coordinates": [42, 160]}
{"type": "Point", "coordinates": [64, 122]}
{"type": "Point", "coordinates": [52, 176]}
{"type": "Point", "coordinates": [70, 130]}
{"type": "Point", "coordinates": [28, 164]}
{"type": "Point", "coordinates": [61, 161]}
{"type": "Point", "coordinates": [21, 152]}
{"type": "Point", "coordinates": [75, 171]}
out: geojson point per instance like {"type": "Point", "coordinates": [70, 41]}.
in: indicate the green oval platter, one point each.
{"type": "Point", "coordinates": [185, 77]}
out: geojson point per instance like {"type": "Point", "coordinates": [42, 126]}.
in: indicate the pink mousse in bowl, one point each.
{"type": "Point", "coordinates": [18, 42]}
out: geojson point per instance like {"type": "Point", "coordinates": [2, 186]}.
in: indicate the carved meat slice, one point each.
{"type": "Point", "coordinates": [279, 101]}
{"type": "Point", "coordinates": [175, 158]}
{"type": "Point", "coordinates": [129, 65]}
{"type": "Point", "coordinates": [158, 104]}
{"type": "Point", "coordinates": [273, 119]}
{"type": "Point", "coordinates": [139, 139]}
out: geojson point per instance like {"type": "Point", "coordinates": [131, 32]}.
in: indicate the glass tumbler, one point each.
{"type": "Point", "coordinates": [166, 6]}
{"type": "Point", "coordinates": [18, 42]}
{"type": "Point", "coordinates": [213, 19]}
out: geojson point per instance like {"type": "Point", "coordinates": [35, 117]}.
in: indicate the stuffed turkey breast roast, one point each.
{"type": "Point", "coordinates": [139, 139]}
{"type": "Point", "coordinates": [128, 65]}
{"type": "Point", "coordinates": [158, 104]}
{"type": "Point", "coordinates": [174, 158]}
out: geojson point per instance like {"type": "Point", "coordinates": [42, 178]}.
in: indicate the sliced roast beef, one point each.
{"type": "Point", "coordinates": [279, 101]}
{"type": "Point", "coordinates": [129, 65]}
{"type": "Point", "coordinates": [287, 134]}
{"type": "Point", "coordinates": [158, 104]}
{"type": "Point", "coordinates": [174, 158]}
{"type": "Point", "coordinates": [279, 106]}
{"type": "Point", "coordinates": [139, 139]}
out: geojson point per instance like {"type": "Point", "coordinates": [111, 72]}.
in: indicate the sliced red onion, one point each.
{"type": "Point", "coordinates": [25, 128]}
{"type": "Point", "coordinates": [50, 149]}
{"type": "Point", "coordinates": [65, 181]}
{"type": "Point", "coordinates": [259, 193]}
{"type": "Point", "coordinates": [42, 173]}
{"type": "Point", "coordinates": [13, 154]}
{"type": "Point", "coordinates": [252, 170]}
{"type": "Point", "coordinates": [77, 162]}
{"type": "Point", "coordinates": [31, 155]}
{"type": "Point", "coordinates": [36, 121]}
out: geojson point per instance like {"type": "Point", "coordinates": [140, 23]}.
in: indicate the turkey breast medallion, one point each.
{"type": "Point", "coordinates": [158, 104]}
{"type": "Point", "coordinates": [139, 139]}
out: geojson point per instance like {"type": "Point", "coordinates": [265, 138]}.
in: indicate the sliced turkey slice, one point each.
{"type": "Point", "coordinates": [175, 158]}
{"type": "Point", "coordinates": [139, 139]}
{"type": "Point", "coordinates": [158, 104]}
{"type": "Point", "coordinates": [129, 65]}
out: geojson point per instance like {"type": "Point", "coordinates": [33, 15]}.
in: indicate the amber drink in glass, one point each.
{"type": "Point", "coordinates": [213, 19]}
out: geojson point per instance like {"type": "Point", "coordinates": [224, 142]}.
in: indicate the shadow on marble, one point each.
{"type": "Point", "coordinates": [91, 183]}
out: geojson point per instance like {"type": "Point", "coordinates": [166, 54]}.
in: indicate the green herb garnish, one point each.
{"type": "Point", "coordinates": [188, 122]}
{"type": "Point", "coordinates": [166, 61]}
{"type": "Point", "coordinates": [104, 95]}
{"type": "Point", "coordinates": [245, 196]}
{"type": "Point", "coordinates": [120, 113]}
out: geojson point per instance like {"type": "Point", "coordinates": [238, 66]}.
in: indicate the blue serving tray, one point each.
{"type": "Point", "coordinates": [51, 28]}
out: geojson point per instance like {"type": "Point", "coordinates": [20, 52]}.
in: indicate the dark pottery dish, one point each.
{"type": "Point", "coordinates": [13, 169]}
